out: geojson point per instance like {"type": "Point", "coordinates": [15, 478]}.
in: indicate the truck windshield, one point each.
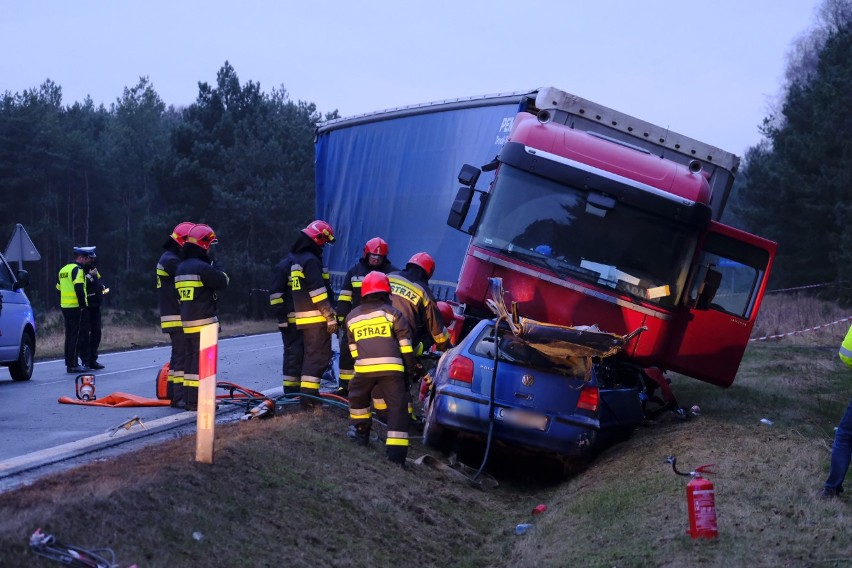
{"type": "Point", "coordinates": [597, 241]}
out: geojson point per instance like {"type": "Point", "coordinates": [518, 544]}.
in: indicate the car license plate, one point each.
{"type": "Point", "coordinates": [521, 418]}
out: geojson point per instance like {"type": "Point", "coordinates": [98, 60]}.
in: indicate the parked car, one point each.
{"type": "Point", "coordinates": [17, 323]}
{"type": "Point", "coordinates": [567, 407]}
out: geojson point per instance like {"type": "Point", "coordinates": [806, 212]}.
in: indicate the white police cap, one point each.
{"type": "Point", "coordinates": [86, 251]}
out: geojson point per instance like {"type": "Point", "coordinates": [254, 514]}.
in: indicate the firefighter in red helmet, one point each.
{"type": "Point", "coordinates": [170, 311]}
{"type": "Point", "coordinates": [314, 318]}
{"type": "Point", "coordinates": [375, 257]}
{"type": "Point", "coordinates": [379, 339]}
{"type": "Point", "coordinates": [197, 282]}
{"type": "Point", "coordinates": [412, 296]}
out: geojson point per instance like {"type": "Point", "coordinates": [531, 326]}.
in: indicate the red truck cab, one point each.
{"type": "Point", "coordinates": [596, 218]}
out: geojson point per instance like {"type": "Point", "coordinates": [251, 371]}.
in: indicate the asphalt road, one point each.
{"type": "Point", "coordinates": [35, 428]}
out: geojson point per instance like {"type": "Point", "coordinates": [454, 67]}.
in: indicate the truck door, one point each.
{"type": "Point", "coordinates": [728, 281]}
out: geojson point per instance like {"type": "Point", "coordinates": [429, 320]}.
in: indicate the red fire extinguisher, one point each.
{"type": "Point", "coordinates": [700, 501]}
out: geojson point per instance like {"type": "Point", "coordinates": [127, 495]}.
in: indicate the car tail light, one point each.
{"type": "Point", "coordinates": [588, 399]}
{"type": "Point", "coordinates": [461, 369]}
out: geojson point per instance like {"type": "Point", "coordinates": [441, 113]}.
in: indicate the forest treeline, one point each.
{"type": "Point", "coordinates": [120, 178]}
{"type": "Point", "coordinates": [242, 160]}
{"type": "Point", "coordinates": [796, 184]}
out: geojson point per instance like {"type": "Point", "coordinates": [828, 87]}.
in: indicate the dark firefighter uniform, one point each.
{"type": "Point", "coordinates": [281, 301]}
{"type": "Point", "coordinates": [71, 284]}
{"type": "Point", "coordinates": [197, 282]}
{"type": "Point", "coordinates": [313, 316]}
{"type": "Point", "coordinates": [380, 342]}
{"type": "Point", "coordinates": [412, 296]}
{"type": "Point", "coordinates": [170, 323]}
{"type": "Point", "coordinates": [349, 298]}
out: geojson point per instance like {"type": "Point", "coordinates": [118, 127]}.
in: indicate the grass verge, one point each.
{"type": "Point", "coordinates": [293, 491]}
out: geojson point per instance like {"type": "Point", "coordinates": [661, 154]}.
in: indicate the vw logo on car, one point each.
{"type": "Point", "coordinates": [528, 380]}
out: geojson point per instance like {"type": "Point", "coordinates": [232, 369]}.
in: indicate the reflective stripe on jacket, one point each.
{"type": "Point", "coordinates": [196, 282]}
{"type": "Point", "coordinates": [379, 338]}
{"type": "Point", "coordinates": [309, 290]}
{"type": "Point", "coordinates": [846, 348]}
{"type": "Point", "coordinates": [415, 301]}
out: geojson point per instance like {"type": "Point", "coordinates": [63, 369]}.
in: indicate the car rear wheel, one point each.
{"type": "Point", "coordinates": [435, 435]}
{"type": "Point", "coordinates": [22, 369]}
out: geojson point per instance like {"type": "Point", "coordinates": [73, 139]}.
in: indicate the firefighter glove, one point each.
{"type": "Point", "coordinates": [332, 326]}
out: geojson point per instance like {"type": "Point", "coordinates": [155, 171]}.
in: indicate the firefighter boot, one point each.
{"type": "Point", "coordinates": [360, 434]}
{"type": "Point", "coordinates": [397, 454]}
{"type": "Point", "coordinates": [178, 396]}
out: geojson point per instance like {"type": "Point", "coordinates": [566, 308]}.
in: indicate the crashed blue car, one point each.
{"type": "Point", "coordinates": [568, 407]}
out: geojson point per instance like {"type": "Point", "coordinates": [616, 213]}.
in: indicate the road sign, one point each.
{"type": "Point", "coordinates": [21, 246]}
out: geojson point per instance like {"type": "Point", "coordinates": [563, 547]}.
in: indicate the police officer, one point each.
{"type": "Point", "coordinates": [73, 302]}
{"type": "Point", "coordinates": [169, 304]}
{"type": "Point", "coordinates": [197, 281]}
{"type": "Point", "coordinates": [379, 339]}
{"type": "Point", "coordinates": [95, 290]}
{"type": "Point", "coordinates": [375, 258]}
{"type": "Point", "coordinates": [313, 314]}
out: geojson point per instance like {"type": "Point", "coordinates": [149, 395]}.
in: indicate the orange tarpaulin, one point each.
{"type": "Point", "coordinates": [123, 399]}
{"type": "Point", "coordinates": [116, 400]}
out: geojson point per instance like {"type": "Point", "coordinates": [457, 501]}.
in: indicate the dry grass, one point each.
{"type": "Point", "coordinates": [122, 330]}
{"type": "Point", "coordinates": [292, 491]}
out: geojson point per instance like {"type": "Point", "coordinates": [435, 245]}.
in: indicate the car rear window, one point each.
{"type": "Point", "coordinates": [515, 350]}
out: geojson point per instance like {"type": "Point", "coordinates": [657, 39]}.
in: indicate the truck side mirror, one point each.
{"type": "Point", "coordinates": [708, 289]}
{"type": "Point", "coordinates": [23, 279]}
{"type": "Point", "coordinates": [469, 175]}
{"type": "Point", "coordinates": [460, 207]}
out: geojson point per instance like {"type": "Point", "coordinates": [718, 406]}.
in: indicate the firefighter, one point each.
{"type": "Point", "coordinates": [375, 258]}
{"type": "Point", "coordinates": [379, 339]}
{"type": "Point", "coordinates": [72, 299]}
{"type": "Point", "coordinates": [95, 290]}
{"type": "Point", "coordinates": [170, 311]}
{"type": "Point", "coordinates": [313, 313]}
{"type": "Point", "coordinates": [281, 301]}
{"type": "Point", "coordinates": [412, 296]}
{"type": "Point", "coordinates": [197, 282]}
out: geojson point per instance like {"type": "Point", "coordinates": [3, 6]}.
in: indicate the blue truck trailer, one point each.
{"type": "Point", "coordinates": [391, 174]}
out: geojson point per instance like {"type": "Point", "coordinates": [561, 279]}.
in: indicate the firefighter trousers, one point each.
{"type": "Point", "coordinates": [315, 358]}
{"type": "Point", "coordinates": [174, 386]}
{"type": "Point", "coordinates": [396, 396]}
{"type": "Point", "coordinates": [294, 353]}
{"type": "Point", "coordinates": [190, 373]}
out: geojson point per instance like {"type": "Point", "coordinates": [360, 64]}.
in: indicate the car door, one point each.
{"type": "Point", "coordinates": [12, 305]}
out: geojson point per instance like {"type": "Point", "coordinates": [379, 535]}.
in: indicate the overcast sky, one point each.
{"type": "Point", "coordinates": [709, 70]}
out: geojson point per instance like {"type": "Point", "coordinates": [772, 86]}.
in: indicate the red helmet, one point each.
{"type": "Point", "coordinates": [447, 313]}
{"type": "Point", "coordinates": [374, 283]}
{"type": "Point", "coordinates": [425, 261]}
{"type": "Point", "coordinates": [181, 232]}
{"type": "Point", "coordinates": [320, 232]}
{"type": "Point", "coordinates": [202, 236]}
{"type": "Point", "coordinates": [377, 246]}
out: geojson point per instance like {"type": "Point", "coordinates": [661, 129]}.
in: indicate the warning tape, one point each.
{"type": "Point", "coordinates": [768, 337]}
{"type": "Point", "coordinates": [799, 288]}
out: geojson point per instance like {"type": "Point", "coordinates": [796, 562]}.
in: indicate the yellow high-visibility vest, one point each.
{"type": "Point", "coordinates": [70, 275]}
{"type": "Point", "coordinates": [846, 348]}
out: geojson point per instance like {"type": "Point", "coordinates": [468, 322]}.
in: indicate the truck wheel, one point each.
{"type": "Point", "coordinates": [22, 369]}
